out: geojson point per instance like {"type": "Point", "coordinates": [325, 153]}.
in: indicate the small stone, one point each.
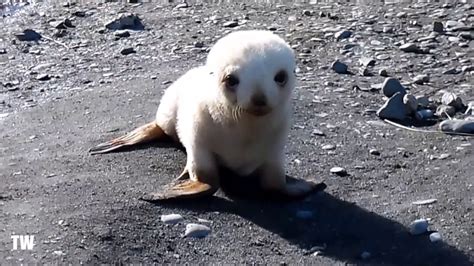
{"type": "Point", "coordinates": [307, 13]}
{"type": "Point", "coordinates": [302, 214]}
{"type": "Point", "coordinates": [464, 69]}
{"type": "Point", "coordinates": [393, 108]}
{"type": "Point", "coordinates": [383, 73]}
{"type": "Point", "coordinates": [421, 79]}
{"type": "Point", "coordinates": [182, 5]}
{"type": "Point", "coordinates": [338, 171]}
{"type": "Point", "coordinates": [438, 27]}
{"type": "Point", "coordinates": [386, 29]}
{"type": "Point", "coordinates": [3, 51]}
{"type": "Point", "coordinates": [367, 61]}
{"type": "Point", "coordinates": [79, 14]}
{"type": "Point", "coordinates": [410, 48]}
{"type": "Point", "coordinates": [410, 102]}
{"type": "Point", "coordinates": [57, 24]}
{"type": "Point", "coordinates": [391, 86]}
{"type": "Point", "coordinates": [365, 255]}
{"type": "Point", "coordinates": [230, 24]}
{"type": "Point", "coordinates": [365, 72]}
{"type": "Point", "coordinates": [451, 71]}
{"type": "Point", "coordinates": [424, 202]}
{"type": "Point", "coordinates": [122, 33]}
{"type": "Point", "coordinates": [466, 35]}
{"type": "Point", "coordinates": [58, 252]}
{"type": "Point", "coordinates": [328, 147]}
{"type": "Point", "coordinates": [339, 67]}
{"type": "Point", "coordinates": [457, 126]}
{"type": "Point", "coordinates": [43, 77]}
{"type": "Point", "coordinates": [127, 51]}
{"type": "Point", "coordinates": [435, 237]}
{"type": "Point", "coordinates": [171, 218]}
{"type": "Point", "coordinates": [318, 132]}
{"type": "Point", "coordinates": [453, 100]}
{"type": "Point", "coordinates": [418, 227]}
{"type": "Point", "coordinates": [28, 35]}
{"type": "Point", "coordinates": [445, 111]}
{"type": "Point", "coordinates": [374, 152]}
{"type": "Point", "coordinates": [196, 230]}
{"type": "Point", "coordinates": [343, 34]}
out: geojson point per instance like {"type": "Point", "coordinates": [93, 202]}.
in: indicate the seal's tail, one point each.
{"type": "Point", "coordinates": [142, 134]}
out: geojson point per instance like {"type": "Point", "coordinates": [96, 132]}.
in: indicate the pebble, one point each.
{"type": "Point", "coordinates": [418, 227]}
{"type": "Point", "coordinates": [424, 202]}
{"type": "Point", "coordinates": [464, 69]}
{"type": "Point", "coordinates": [197, 230]}
{"type": "Point", "coordinates": [383, 73]}
{"type": "Point", "coordinates": [343, 34]}
{"type": "Point", "coordinates": [338, 171]}
{"type": "Point", "coordinates": [453, 100]}
{"type": "Point", "coordinates": [230, 24]}
{"type": "Point", "coordinates": [438, 27]}
{"type": "Point", "coordinates": [28, 35]}
{"type": "Point", "coordinates": [445, 111]}
{"type": "Point", "coordinates": [374, 152]}
{"type": "Point", "coordinates": [3, 51]}
{"type": "Point", "coordinates": [458, 126]}
{"type": "Point", "coordinates": [43, 77]}
{"type": "Point", "coordinates": [410, 48]}
{"type": "Point", "coordinates": [451, 71]}
{"type": "Point", "coordinates": [367, 61]}
{"type": "Point", "coordinates": [339, 67]}
{"type": "Point", "coordinates": [391, 86]}
{"type": "Point", "coordinates": [127, 51]}
{"type": "Point", "coordinates": [122, 33]}
{"type": "Point", "coordinates": [393, 108]}
{"type": "Point", "coordinates": [318, 132]}
{"type": "Point", "coordinates": [435, 237]}
{"type": "Point", "coordinates": [171, 218]}
{"type": "Point", "coordinates": [421, 79]}
{"type": "Point", "coordinates": [328, 147]}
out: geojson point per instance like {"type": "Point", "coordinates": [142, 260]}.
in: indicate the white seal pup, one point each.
{"type": "Point", "coordinates": [235, 111]}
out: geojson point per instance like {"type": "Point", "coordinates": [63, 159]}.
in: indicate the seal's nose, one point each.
{"type": "Point", "coordinates": [259, 100]}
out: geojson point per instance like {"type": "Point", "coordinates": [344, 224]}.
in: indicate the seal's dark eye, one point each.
{"type": "Point", "coordinates": [281, 78]}
{"type": "Point", "coordinates": [231, 81]}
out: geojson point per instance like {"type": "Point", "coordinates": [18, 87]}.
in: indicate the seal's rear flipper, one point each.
{"type": "Point", "coordinates": [182, 189]}
{"type": "Point", "coordinates": [142, 134]}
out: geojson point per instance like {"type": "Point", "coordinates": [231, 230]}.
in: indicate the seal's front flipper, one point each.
{"type": "Point", "coordinates": [142, 134]}
{"type": "Point", "coordinates": [182, 189]}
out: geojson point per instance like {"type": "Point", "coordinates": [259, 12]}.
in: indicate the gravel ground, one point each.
{"type": "Point", "coordinates": [75, 88]}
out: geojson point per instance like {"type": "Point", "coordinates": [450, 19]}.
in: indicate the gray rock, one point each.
{"type": "Point", "coordinates": [3, 51]}
{"type": "Point", "coordinates": [457, 126]}
{"type": "Point", "coordinates": [374, 152]}
{"type": "Point", "coordinates": [466, 35]}
{"type": "Point", "coordinates": [171, 218]}
{"type": "Point", "coordinates": [421, 79]}
{"type": "Point", "coordinates": [382, 57]}
{"type": "Point", "coordinates": [43, 77]}
{"type": "Point", "coordinates": [383, 73]}
{"type": "Point", "coordinates": [451, 71]}
{"type": "Point", "coordinates": [424, 202]}
{"type": "Point", "coordinates": [453, 100]}
{"type": "Point", "coordinates": [438, 26]}
{"type": "Point", "coordinates": [367, 61]}
{"type": "Point", "coordinates": [339, 67]}
{"type": "Point", "coordinates": [197, 230]}
{"type": "Point", "coordinates": [230, 24]}
{"type": "Point", "coordinates": [28, 35]}
{"type": "Point", "coordinates": [338, 171]}
{"type": "Point", "coordinates": [182, 5]}
{"type": "Point", "coordinates": [464, 69]}
{"type": "Point", "coordinates": [126, 22]}
{"type": "Point", "coordinates": [391, 86]}
{"type": "Point", "coordinates": [393, 109]}
{"type": "Point", "coordinates": [418, 227]}
{"type": "Point", "coordinates": [122, 33]}
{"type": "Point", "coordinates": [435, 237]}
{"type": "Point", "coordinates": [445, 111]}
{"type": "Point", "coordinates": [328, 147]}
{"type": "Point", "coordinates": [410, 48]}
{"type": "Point", "coordinates": [127, 51]}
{"type": "Point", "coordinates": [343, 34]}
{"type": "Point", "coordinates": [57, 24]}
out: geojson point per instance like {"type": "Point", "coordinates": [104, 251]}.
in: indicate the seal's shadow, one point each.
{"type": "Point", "coordinates": [341, 229]}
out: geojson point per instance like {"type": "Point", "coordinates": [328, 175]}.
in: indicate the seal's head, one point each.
{"type": "Point", "coordinates": [254, 70]}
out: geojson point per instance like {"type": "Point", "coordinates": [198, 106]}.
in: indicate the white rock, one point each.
{"type": "Point", "coordinates": [328, 147]}
{"type": "Point", "coordinates": [196, 230]}
{"type": "Point", "coordinates": [435, 237]}
{"type": "Point", "coordinates": [419, 227]}
{"type": "Point", "coordinates": [338, 171]}
{"type": "Point", "coordinates": [424, 202]}
{"type": "Point", "coordinates": [171, 218]}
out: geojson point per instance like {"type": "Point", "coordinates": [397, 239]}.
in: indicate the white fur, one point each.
{"type": "Point", "coordinates": [203, 115]}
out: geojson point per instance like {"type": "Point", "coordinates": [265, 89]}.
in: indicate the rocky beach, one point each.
{"type": "Point", "coordinates": [75, 74]}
